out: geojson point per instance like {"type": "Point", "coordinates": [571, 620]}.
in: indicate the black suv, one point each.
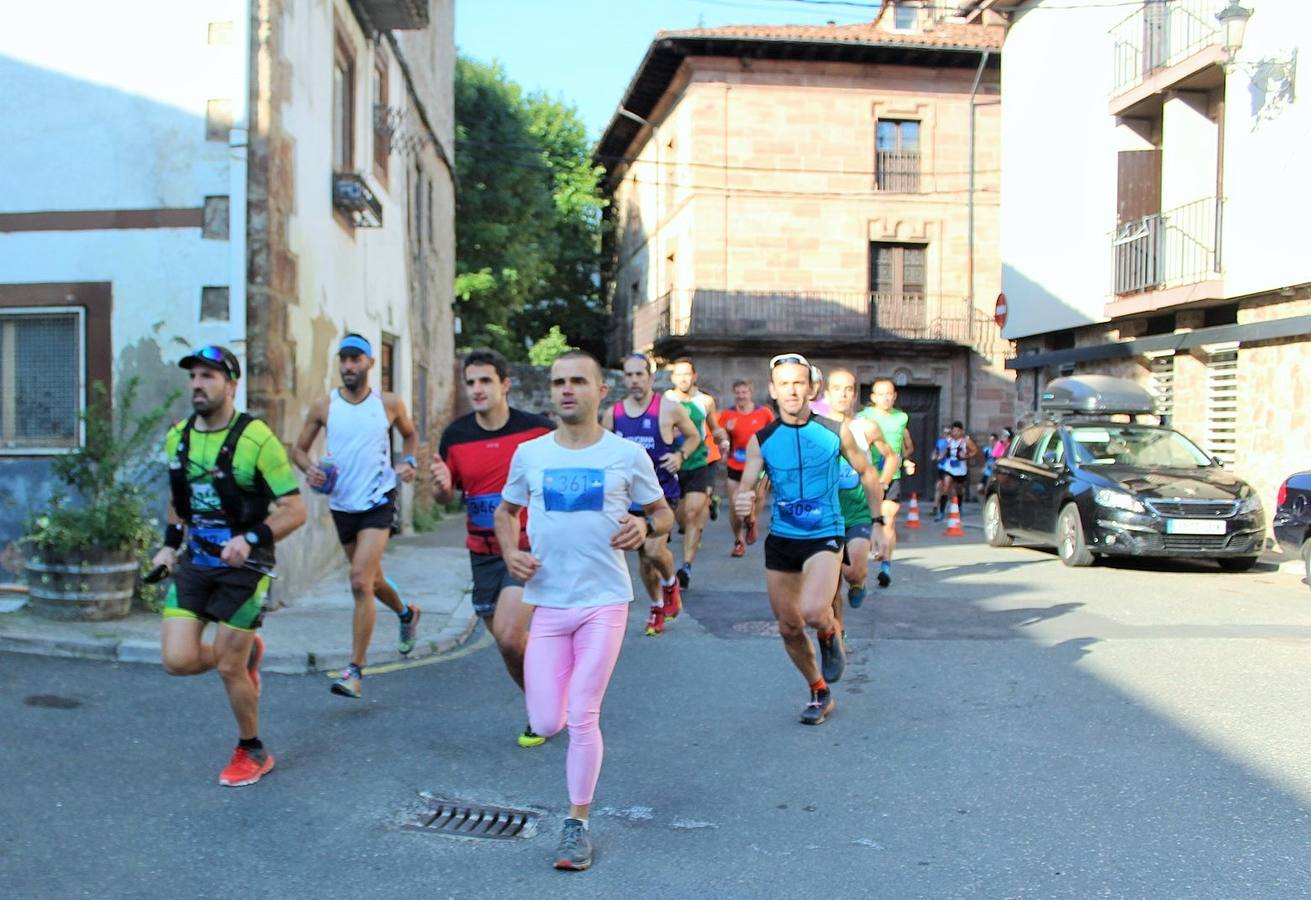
{"type": "Point", "coordinates": [1093, 486]}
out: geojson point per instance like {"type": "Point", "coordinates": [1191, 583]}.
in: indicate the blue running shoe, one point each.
{"type": "Point", "coordinates": [856, 595]}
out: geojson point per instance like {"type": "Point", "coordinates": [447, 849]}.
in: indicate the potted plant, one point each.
{"type": "Point", "coordinates": [86, 550]}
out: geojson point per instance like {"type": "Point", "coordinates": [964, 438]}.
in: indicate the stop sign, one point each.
{"type": "Point", "coordinates": [1000, 314]}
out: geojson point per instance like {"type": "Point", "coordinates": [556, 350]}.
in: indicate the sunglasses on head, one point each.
{"type": "Point", "coordinates": [785, 358]}
{"type": "Point", "coordinates": [213, 354]}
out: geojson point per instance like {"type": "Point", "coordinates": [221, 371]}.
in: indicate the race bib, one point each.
{"type": "Point", "coordinates": [803, 514]}
{"type": "Point", "coordinates": [740, 455]}
{"type": "Point", "coordinates": [847, 477]}
{"type": "Point", "coordinates": [205, 543]}
{"type": "Point", "coordinates": [573, 490]}
{"type": "Point", "coordinates": [481, 509]}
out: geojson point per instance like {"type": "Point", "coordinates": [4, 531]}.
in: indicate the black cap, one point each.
{"type": "Point", "coordinates": [215, 357]}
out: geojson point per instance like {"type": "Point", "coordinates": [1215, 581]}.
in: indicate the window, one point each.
{"type": "Point", "coordinates": [905, 17]}
{"type": "Point", "coordinates": [42, 369]}
{"type": "Point", "coordinates": [343, 107]}
{"type": "Point", "coordinates": [1162, 386]}
{"type": "Point", "coordinates": [387, 364]}
{"type": "Point", "coordinates": [897, 155]}
{"type": "Point", "coordinates": [381, 118]}
{"type": "Point", "coordinates": [1052, 451]}
{"type": "Point", "coordinates": [1026, 443]}
{"type": "Point", "coordinates": [1222, 401]}
{"type": "Point", "coordinates": [897, 269]}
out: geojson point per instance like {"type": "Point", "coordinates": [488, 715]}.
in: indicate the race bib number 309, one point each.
{"type": "Point", "coordinates": [805, 514]}
{"type": "Point", "coordinates": [573, 490]}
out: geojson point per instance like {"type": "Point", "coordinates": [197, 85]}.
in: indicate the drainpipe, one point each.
{"type": "Point", "coordinates": [238, 173]}
{"type": "Point", "coordinates": [969, 327]}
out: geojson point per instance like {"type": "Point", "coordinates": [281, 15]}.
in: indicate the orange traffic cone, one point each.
{"type": "Point", "coordinates": [913, 517]}
{"type": "Point", "coordinates": [953, 519]}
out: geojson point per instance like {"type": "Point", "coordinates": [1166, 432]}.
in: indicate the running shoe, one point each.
{"type": "Point", "coordinates": [672, 596]}
{"type": "Point", "coordinates": [753, 532]}
{"type": "Point", "coordinates": [252, 663]}
{"type": "Point", "coordinates": [739, 550]}
{"type": "Point", "coordinates": [856, 595]}
{"type": "Point", "coordinates": [655, 623]}
{"type": "Point", "coordinates": [530, 738]}
{"type": "Point", "coordinates": [246, 767]}
{"type": "Point", "coordinates": [350, 683]}
{"type": "Point", "coordinates": [409, 630]}
{"type": "Point", "coordinates": [833, 658]}
{"type": "Point", "coordinates": [818, 709]}
{"type": "Point", "coordinates": [885, 578]}
{"type": "Point", "coordinates": [575, 853]}
{"type": "Point", "coordinates": [684, 575]}
{"type": "Point", "coordinates": [714, 507]}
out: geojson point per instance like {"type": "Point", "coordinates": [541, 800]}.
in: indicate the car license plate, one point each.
{"type": "Point", "coordinates": [1194, 526]}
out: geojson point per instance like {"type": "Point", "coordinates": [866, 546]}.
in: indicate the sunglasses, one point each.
{"type": "Point", "coordinates": [213, 354]}
{"type": "Point", "coordinates": [785, 358]}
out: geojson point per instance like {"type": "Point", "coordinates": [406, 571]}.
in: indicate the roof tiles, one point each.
{"type": "Point", "coordinates": [944, 34]}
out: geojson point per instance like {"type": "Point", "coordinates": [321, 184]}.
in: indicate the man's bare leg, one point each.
{"type": "Point", "coordinates": [232, 650]}
{"type": "Point", "coordinates": [735, 521]}
{"type": "Point", "coordinates": [181, 648]}
{"type": "Point", "coordinates": [891, 509]}
{"type": "Point", "coordinates": [694, 508]}
{"type": "Point", "coordinates": [366, 570]}
{"type": "Point", "coordinates": [509, 626]}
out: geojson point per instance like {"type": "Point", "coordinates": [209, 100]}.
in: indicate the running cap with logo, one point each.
{"type": "Point", "coordinates": [785, 358]}
{"type": "Point", "coordinates": [215, 357]}
{"type": "Point", "coordinates": [353, 343]}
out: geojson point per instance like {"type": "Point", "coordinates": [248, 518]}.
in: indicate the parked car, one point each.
{"type": "Point", "coordinates": [1292, 521]}
{"type": "Point", "coordinates": [1094, 486]}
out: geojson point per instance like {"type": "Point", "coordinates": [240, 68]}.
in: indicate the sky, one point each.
{"type": "Point", "coordinates": [585, 52]}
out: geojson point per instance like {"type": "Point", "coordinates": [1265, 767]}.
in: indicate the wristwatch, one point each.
{"type": "Point", "coordinates": [252, 538]}
{"type": "Point", "coordinates": [414, 463]}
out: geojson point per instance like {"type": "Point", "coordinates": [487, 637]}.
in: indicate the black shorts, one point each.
{"type": "Point", "coordinates": [790, 554]}
{"type": "Point", "coordinates": [892, 493]}
{"type": "Point", "coordinates": [234, 597]}
{"type": "Point", "coordinates": [490, 577]}
{"type": "Point", "coordinates": [350, 524]}
{"type": "Point", "coordinates": [696, 481]}
{"type": "Point", "coordinates": [961, 483]}
{"type": "Point", "coordinates": [733, 474]}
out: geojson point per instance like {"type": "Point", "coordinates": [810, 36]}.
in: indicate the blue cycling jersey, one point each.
{"type": "Point", "coordinates": [803, 463]}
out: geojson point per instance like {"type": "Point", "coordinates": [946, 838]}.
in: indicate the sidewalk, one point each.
{"type": "Point", "coordinates": [312, 633]}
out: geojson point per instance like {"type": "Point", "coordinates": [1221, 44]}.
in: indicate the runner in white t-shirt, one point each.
{"type": "Point", "coordinates": [578, 483]}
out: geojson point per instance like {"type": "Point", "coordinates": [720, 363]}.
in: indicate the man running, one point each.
{"type": "Point", "coordinates": [856, 516]}
{"type": "Point", "coordinates": [894, 424]}
{"type": "Point", "coordinates": [651, 421]}
{"type": "Point", "coordinates": [361, 488]}
{"type": "Point", "coordinates": [942, 478]}
{"type": "Point", "coordinates": [955, 464]}
{"type": "Point", "coordinates": [225, 468]}
{"type": "Point", "coordinates": [695, 478]}
{"type": "Point", "coordinates": [474, 457]}
{"type": "Point", "coordinates": [742, 420]}
{"type": "Point", "coordinates": [579, 483]}
{"type": "Point", "coordinates": [803, 551]}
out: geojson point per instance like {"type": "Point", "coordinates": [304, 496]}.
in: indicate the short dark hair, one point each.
{"type": "Point", "coordinates": [578, 353]}
{"type": "Point", "coordinates": [687, 360]}
{"type": "Point", "coordinates": [485, 356]}
{"type": "Point", "coordinates": [647, 361]}
{"type": "Point", "coordinates": [742, 382]}
{"type": "Point", "coordinates": [958, 425]}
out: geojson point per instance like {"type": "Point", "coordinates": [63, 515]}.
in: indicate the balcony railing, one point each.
{"type": "Point", "coordinates": [1169, 249]}
{"type": "Point", "coordinates": [1161, 33]}
{"type": "Point", "coordinates": [897, 170]}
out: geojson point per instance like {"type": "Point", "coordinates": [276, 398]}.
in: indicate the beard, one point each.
{"type": "Point", "coordinates": [203, 405]}
{"type": "Point", "coordinates": [351, 380]}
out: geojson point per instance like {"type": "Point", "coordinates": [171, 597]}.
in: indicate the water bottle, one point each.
{"type": "Point", "coordinates": [329, 469]}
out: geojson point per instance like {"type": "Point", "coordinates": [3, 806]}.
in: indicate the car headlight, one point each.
{"type": "Point", "coordinates": [1112, 499]}
{"type": "Point", "coordinates": [1252, 504]}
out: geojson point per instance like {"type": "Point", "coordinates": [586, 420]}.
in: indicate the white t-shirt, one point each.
{"type": "Point", "coordinates": [574, 500]}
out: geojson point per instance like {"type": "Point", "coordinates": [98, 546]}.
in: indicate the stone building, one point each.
{"type": "Point", "coordinates": [1149, 215]}
{"type": "Point", "coordinates": [831, 190]}
{"type": "Point", "coordinates": [263, 174]}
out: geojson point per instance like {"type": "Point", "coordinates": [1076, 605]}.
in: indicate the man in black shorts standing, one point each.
{"type": "Point", "coordinates": [225, 468]}
{"type": "Point", "coordinates": [474, 457]}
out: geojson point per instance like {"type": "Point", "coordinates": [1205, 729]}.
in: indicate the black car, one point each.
{"type": "Point", "coordinates": [1292, 522]}
{"type": "Point", "coordinates": [1093, 486]}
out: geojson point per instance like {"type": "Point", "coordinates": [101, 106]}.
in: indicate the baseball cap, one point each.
{"type": "Point", "coordinates": [215, 357]}
{"type": "Point", "coordinates": [353, 343]}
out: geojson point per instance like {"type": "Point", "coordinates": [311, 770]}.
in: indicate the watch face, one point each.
{"type": "Point", "coordinates": [251, 538]}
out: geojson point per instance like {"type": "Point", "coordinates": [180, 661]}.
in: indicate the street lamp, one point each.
{"type": "Point", "coordinates": [1233, 19]}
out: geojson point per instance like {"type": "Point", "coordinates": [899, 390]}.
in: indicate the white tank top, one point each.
{"type": "Point", "coordinates": [359, 440]}
{"type": "Point", "coordinates": [953, 463]}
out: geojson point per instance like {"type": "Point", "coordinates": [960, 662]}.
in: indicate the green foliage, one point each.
{"type": "Point", "coordinates": [427, 516]}
{"type": "Point", "coordinates": [549, 348]}
{"type": "Point", "coordinates": [101, 502]}
{"type": "Point", "coordinates": [528, 216]}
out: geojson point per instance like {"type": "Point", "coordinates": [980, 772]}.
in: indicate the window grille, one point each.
{"type": "Point", "coordinates": [1222, 401]}
{"type": "Point", "coordinates": [1162, 386]}
{"type": "Point", "coordinates": [42, 371]}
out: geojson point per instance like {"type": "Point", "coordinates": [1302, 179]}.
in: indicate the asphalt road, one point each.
{"type": "Point", "coordinates": [1007, 728]}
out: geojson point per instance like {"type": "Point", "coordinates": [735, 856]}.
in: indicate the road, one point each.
{"type": "Point", "coordinates": [1007, 728]}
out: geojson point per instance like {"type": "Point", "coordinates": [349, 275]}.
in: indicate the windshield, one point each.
{"type": "Point", "coordinates": [1134, 445]}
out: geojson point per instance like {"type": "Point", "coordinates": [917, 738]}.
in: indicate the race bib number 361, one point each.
{"type": "Point", "coordinates": [573, 490]}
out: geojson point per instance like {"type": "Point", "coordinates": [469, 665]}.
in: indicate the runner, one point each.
{"type": "Point", "coordinates": [741, 421]}
{"type": "Point", "coordinates": [651, 421]}
{"type": "Point", "coordinates": [580, 483]}
{"type": "Point", "coordinates": [474, 457]}
{"type": "Point", "coordinates": [225, 468]}
{"type": "Point", "coordinates": [802, 553]}
{"type": "Point", "coordinates": [361, 489]}
{"type": "Point", "coordinates": [960, 450]}
{"type": "Point", "coordinates": [695, 478]}
{"type": "Point", "coordinates": [942, 480]}
{"type": "Point", "coordinates": [856, 517]}
{"type": "Point", "coordinates": [895, 426]}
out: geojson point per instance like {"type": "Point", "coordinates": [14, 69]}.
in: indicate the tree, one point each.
{"type": "Point", "coordinates": [528, 216]}
{"type": "Point", "coordinates": [549, 348]}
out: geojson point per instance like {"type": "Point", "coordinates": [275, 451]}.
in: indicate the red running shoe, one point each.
{"type": "Point", "coordinates": [252, 664]}
{"type": "Point", "coordinates": [739, 550]}
{"type": "Point", "coordinates": [753, 531]}
{"type": "Point", "coordinates": [655, 623]}
{"type": "Point", "coordinates": [672, 595]}
{"type": "Point", "coordinates": [246, 767]}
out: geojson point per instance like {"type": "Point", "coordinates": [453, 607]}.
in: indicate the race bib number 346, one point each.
{"type": "Point", "coordinates": [573, 490]}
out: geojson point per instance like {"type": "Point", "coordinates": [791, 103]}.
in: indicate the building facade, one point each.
{"type": "Point", "coordinates": [831, 190]}
{"type": "Point", "coordinates": [262, 174]}
{"type": "Point", "coordinates": [1148, 215]}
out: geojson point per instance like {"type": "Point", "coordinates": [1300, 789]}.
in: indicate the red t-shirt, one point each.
{"type": "Point", "coordinates": [479, 461]}
{"type": "Point", "coordinates": [740, 427]}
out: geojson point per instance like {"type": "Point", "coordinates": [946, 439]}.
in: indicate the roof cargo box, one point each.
{"type": "Point", "coordinates": [1096, 395]}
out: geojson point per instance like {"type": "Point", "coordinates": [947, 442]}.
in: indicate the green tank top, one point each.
{"type": "Point", "coordinates": [851, 494]}
{"type": "Point", "coordinates": [893, 425]}
{"type": "Point", "coordinates": [698, 459]}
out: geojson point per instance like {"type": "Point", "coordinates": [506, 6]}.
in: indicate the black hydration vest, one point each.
{"type": "Point", "coordinates": [243, 509]}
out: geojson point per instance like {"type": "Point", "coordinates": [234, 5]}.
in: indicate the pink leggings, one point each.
{"type": "Point", "coordinates": [567, 666]}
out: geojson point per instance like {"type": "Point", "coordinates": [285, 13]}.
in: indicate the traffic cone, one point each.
{"type": "Point", "coordinates": [913, 517]}
{"type": "Point", "coordinates": [953, 519]}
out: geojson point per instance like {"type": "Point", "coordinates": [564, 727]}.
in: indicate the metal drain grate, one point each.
{"type": "Point", "coordinates": [459, 819]}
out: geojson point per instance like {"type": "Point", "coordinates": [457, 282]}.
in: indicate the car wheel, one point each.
{"type": "Point", "coordinates": [1237, 563]}
{"type": "Point", "coordinates": [1069, 538]}
{"type": "Point", "coordinates": [993, 529]}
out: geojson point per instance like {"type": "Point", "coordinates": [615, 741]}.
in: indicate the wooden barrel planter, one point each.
{"type": "Point", "coordinates": [89, 587]}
